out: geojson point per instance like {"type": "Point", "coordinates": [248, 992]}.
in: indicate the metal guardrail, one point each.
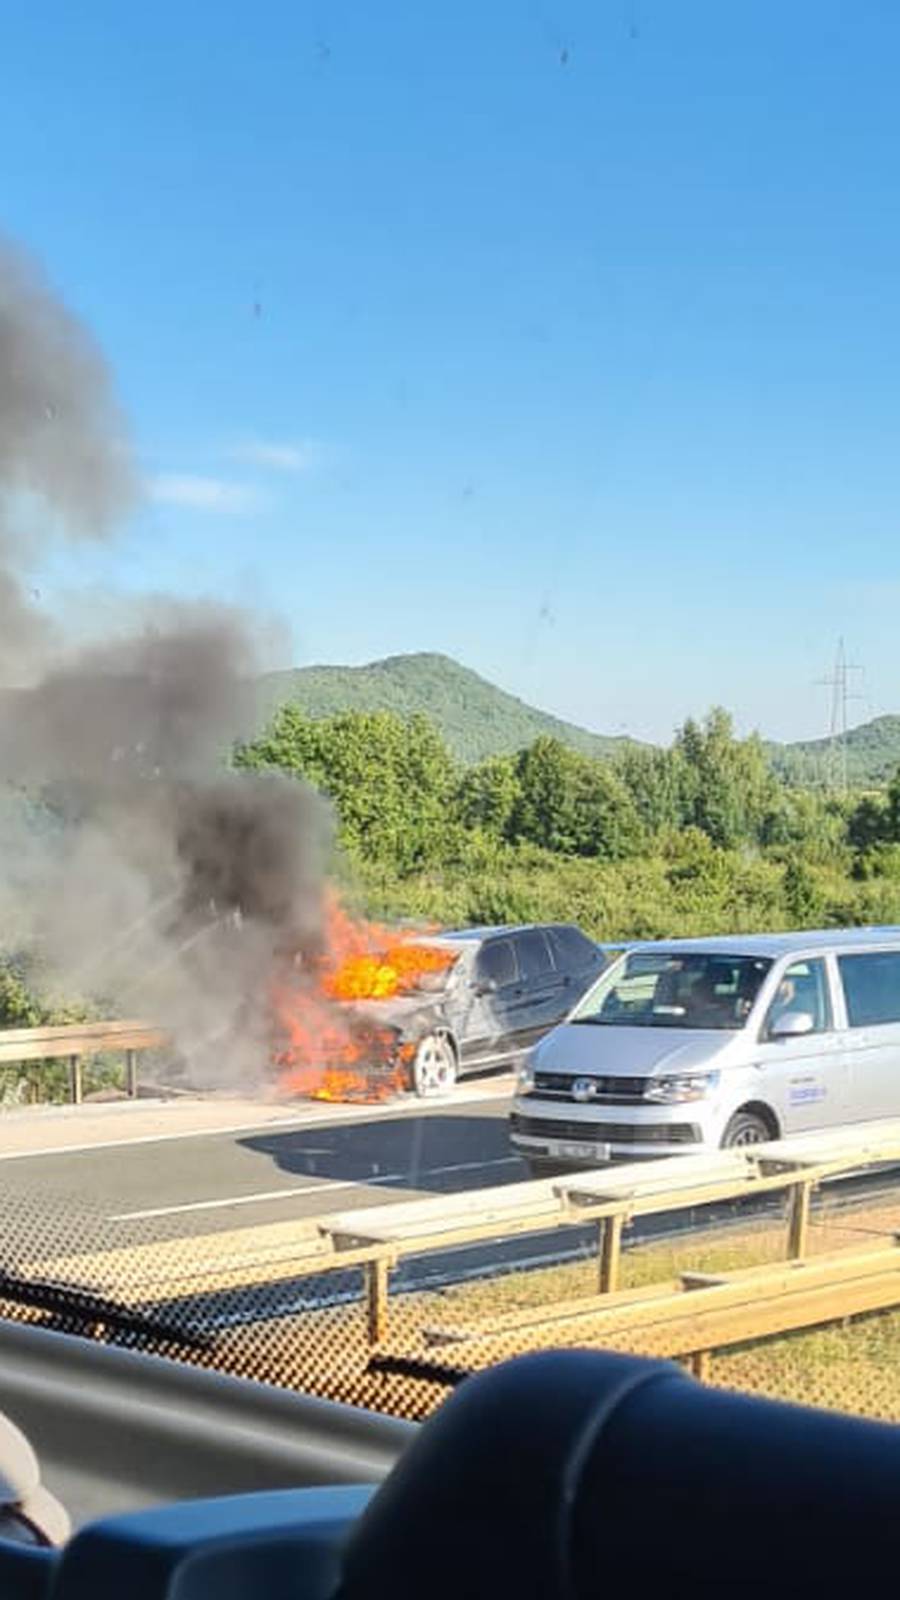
{"type": "Point", "coordinates": [699, 1315]}
{"type": "Point", "coordinates": [72, 1042]}
{"type": "Point", "coordinates": [609, 1197]}
{"type": "Point", "coordinates": [175, 1280]}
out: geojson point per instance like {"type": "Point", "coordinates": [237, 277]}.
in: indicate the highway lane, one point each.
{"type": "Point", "coordinates": [120, 1195]}
{"type": "Point", "coordinates": [180, 1187]}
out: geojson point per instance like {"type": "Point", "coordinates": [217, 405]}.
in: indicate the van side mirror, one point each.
{"type": "Point", "coordinates": [485, 986]}
{"type": "Point", "coordinates": [792, 1025]}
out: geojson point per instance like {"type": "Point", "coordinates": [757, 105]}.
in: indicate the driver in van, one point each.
{"type": "Point", "coordinates": [708, 1009]}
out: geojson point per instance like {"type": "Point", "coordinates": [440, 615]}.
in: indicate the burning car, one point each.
{"type": "Point", "coordinates": [413, 1012]}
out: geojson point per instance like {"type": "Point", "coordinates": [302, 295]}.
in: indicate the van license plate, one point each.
{"type": "Point", "coordinates": [583, 1152]}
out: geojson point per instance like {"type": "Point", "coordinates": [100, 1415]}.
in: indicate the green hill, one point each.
{"type": "Point", "coordinates": [475, 717]}
{"type": "Point", "coordinates": [478, 719]}
{"type": "Point", "coordinates": [873, 755]}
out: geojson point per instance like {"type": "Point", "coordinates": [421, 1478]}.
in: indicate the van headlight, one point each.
{"type": "Point", "coordinates": [525, 1078]}
{"type": "Point", "coordinates": [687, 1086]}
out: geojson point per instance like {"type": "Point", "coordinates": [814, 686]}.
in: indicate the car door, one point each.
{"type": "Point", "coordinates": [540, 1001]}
{"type": "Point", "coordinates": [490, 1013]}
{"type": "Point", "coordinates": [871, 988]}
{"type": "Point", "coordinates": [804, 1077]}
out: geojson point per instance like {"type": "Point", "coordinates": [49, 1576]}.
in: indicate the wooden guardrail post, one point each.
{"type": "Point", "coordinates": [610, 1250]}
{"type": "Point", "coordinates": [377, 1299]}
{"type": "Point", "coordinates": [131, 1079]}
{"type": "Point", "coordinates": [75, 1081]}
{"type": "Point", "coordinates": [798, 1220]}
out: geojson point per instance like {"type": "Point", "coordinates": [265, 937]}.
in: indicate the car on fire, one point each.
{"type": "Point", "coordinates": [498, 991]}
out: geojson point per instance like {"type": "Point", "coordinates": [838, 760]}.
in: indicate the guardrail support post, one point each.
{"type": "Point", "coordinates": [798, 1221]}
{"type": "Point", "coordinates": [377, 1298]}
{"type": "Point", "coordinates": [131, 1083]}
{"type": "Point", "coordinates": [610, 1248]}
{"type": "Point", "coordinates": [700, 1365]}
{"type": "Point", "coordinates": [75, 1083]}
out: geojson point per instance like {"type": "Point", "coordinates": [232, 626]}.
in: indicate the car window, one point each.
{"type": "Point", "coordinates": [657, 989]}
{"type": "Point", "coordinates": [573, 949]}
{"type": "Point", "coordinates": [803, 988]}
{"type": "Point", "coordinates": [497, 962]}
{"type": "Point", "coordinates": [533, 951]}
{"type": "Point", "coordinates": [871, 987]}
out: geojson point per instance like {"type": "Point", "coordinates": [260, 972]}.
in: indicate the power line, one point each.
{"type": "Point", "coordinates": [838, 681]}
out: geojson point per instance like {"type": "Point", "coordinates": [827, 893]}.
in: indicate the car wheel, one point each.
{"type": "Point", "coordinates": [745, 1128]}
{"type": "Point", "coordinates": [434, 1066]}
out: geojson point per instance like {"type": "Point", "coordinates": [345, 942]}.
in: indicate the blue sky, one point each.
{"type": "Point", "coordinates": [564, 339]}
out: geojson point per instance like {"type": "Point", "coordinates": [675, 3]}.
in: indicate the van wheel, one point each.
{"type": "Point", "coordinates": [434, 1066]}
{"type": "Point", "coordinates": [745, 1128]}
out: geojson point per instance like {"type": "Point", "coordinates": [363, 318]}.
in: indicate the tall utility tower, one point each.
{"type": "Point", "coordinates": [838, 681]}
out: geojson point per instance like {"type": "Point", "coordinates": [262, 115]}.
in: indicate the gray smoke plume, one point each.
{"type": "Point", "coordinates": [61, 445]}
{"type": "Point", "coordinates": [132, 859]}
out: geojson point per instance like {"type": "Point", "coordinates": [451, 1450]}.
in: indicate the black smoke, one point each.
{"type": "Point", "coordinates": [133, 861]}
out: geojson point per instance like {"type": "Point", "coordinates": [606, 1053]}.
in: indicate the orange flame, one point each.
{"type": "Point", "coordinates": [326, 1050]}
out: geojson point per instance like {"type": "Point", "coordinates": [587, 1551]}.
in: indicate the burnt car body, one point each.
{"type": "Point", "coordinates": [504, 987]}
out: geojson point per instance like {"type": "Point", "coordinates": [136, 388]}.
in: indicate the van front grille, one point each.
{"type": "Point", "coordinates": [612, 1090]}
{"type": "Point", "coordinates": [605, 1132]}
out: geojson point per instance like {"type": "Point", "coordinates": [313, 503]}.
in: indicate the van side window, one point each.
{"type": "Point", "coordinates": [803, 988]}
{"type": "Point", "coordinates": [497, 962]}
{"type": "Point", "coordinates": [871, 987]}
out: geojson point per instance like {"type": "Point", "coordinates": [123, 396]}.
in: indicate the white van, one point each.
{"type": "Point", "coordinates": [701, 1044]}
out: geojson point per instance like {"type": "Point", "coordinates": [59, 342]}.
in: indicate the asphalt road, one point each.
{"type": "Point", "coordinates": [184, 1186]}
{"type": "Point", "coordinates": [120, 1195]}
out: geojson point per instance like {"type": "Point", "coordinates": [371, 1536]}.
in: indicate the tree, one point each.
{"type": "Point", "coordinates": [801, 894]}
{"type": "Point", "coordinates": [607, 824]}
{"type": "Point", "coordinates": [893, 809]}
{"type": "Point", "coordinates": [572, 804]}
{"type": "Point", "coordinates": [657, 781]}
{"type": "Point", "coordinates": [801, 820]}
{"type": "Point", "coordinates": [546, 809]}
{"type": "Point", "coordinates": [391, 781]}
{"type": "Point", "coordinates": [488, 794]}
{"type": "Point", "coordinates": [19, 1005]}
{"type": "Point", "coordinates": [869, 824]}
{"type": "Point", "coordinates": [881, 861]}
{"type": "Point", "coordinates": [729, 786]}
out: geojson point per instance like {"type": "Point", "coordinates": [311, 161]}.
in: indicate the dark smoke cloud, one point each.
{"type": "Point", "coordinates": [62, 443]}
{"type": "Point", "coordinates": [131, 858]}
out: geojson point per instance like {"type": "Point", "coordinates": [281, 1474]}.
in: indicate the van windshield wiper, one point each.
{"type": "Point", "coordinates": [649, 1022]}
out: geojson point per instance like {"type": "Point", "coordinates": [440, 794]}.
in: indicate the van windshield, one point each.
{"type": "Point", "coordinates": [664, 990]}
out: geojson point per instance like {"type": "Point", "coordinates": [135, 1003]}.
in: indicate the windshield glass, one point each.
{"type": "Point", "coordinates": [391, 971]}
{"type": "Point", "coordinates": [448, 587]}
{"type": "Point", "coordinates": [434, 980]}
{"type": "Point", "coordinates": [663, 990]}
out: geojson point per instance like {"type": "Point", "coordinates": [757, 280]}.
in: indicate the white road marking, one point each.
{"type": "Point", "coordinates": [319, 1118]}
{"type": "Point", "coordinates": [324, 1186]}
{"type": "Point", "coordinates": [246, 1199]}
